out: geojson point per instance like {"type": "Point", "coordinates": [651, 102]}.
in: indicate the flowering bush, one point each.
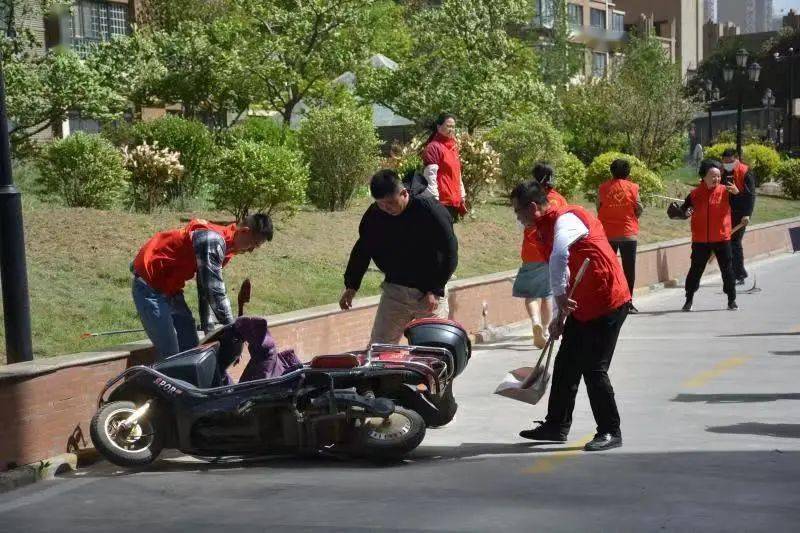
{"type": "Point", "coordinates": [154, 172]}
{"type": "Point", "coordinates": [480, 166]}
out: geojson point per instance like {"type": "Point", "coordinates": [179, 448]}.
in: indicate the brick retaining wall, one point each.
{"type": "Point", "coordinates": [46, 405]}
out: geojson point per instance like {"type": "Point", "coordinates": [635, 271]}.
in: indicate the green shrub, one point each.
{"type": "Point", "coordinates": [715, 151]}
{"type": "Point", "coordinates": [762, 160]}
{"type": "Point", "coordinates": [522, 141]}
{"type": "Point", "coordinates": [341, 147]}
{"type": "Point", "coordinates": [788, 174]}
{"type": "Point", "coordinates": [154, 171]}
{"type": "Point", "coordinates": [406, 157]}
{"type": "Point", "coordinates": [83, 170]}
{"type": "Point", "coordinates": [570, 175]}
{"type": "Point", "coordinates": [480, 166]}
{"type": "Point", "coordinates": [191, 139]}
{"type": "Point", "coordinates": [261, 130]}
{"type": "Point", "coordinates": [599, 171]}
{"type": "Point", "coordinates": [254, 177]}
{"type": "Point", "coordinates": [749, 136]}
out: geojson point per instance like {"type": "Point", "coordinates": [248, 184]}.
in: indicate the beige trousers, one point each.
{"type": "Point", "coordinates": [400, 305]}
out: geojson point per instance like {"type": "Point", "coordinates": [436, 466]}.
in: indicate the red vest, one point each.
{"type": "Point", "coordinates": [739, 173]}
{"type": "Point", "coordinates": [533, 250]}
{"type": "Point", "coordinates": [167, 261]}
{"type": "Point", "coordinates": [443, 151]}
{"type": "Point", "coordinates": [617, 208]}
{"type": "Point", "coordinates": [711, 219]}
{"type": "Point", "coordinates": [603, 287]}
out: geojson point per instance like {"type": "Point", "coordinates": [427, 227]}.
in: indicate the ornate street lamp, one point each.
{"type": "Point", "coordinates": [768, 100]}
{"type": "Point", "coordinates": [729, 74]}
{"type": "Point", "coordinates": [710, 95]}
{"type": "Point", "coordinates": [790, 56]}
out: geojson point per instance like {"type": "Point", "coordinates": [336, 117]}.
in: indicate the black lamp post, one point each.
{"type": "Point", "coordinates": [791, 56]}
{"type": "Point", "coordinates": [13, 273]}
{"type": "Point", "coordinates": [711, 96]}
{"type": "Point", "coordinates": [768, 100]}
{"type": "Point", "coordinates": [753, 72]}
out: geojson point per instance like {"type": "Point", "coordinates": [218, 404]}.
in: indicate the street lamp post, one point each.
{"type": "Point", "coordinates": [13, 272]}
{"type": "Point", "coordinates": [711, 95]}
{"type": "Point", "coordinates": [753, 72]}
{"type": "Point", "coordinates": [791, 56]}
{"type": "Point", "coordinates": [769, 100]}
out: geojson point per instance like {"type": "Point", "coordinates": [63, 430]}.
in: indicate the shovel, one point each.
{"type": "Point", "coordinates": [528, 384]}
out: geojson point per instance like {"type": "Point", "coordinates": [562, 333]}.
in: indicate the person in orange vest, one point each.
{"type": "Point", "coordinates": [742, 205]}
{"type": "Point", "coordinates": [597, 310]}
{"type": "Point", "coordinates": [710, 209]}
{"type": "Point", "coordinates": [442, 167]}
{"type": "Point", "coordinates": [171, 258]}
{"type": "Point", "coordinates": [533, 278]}
{"type": "Point", "coordinates": [619, 208]}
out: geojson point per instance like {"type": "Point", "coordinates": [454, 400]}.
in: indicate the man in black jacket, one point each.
{"type": "Point", "coordinates": [410, 237]}
{"type": "Point", "coordinates": [742, 204]}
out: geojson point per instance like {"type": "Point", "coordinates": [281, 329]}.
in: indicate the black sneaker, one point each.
{"type": "Point", "coordinates": [544, 432]}
{"type": "Point", "coordinates": [687, 306]}
{"type": "Point", "coordinates": [740, 281]}
{"type": "Point", "coordinates": [632, 309]}
{"type": "Point", "coordinates": [732, 305]}
{"type": "Point", "coordinates": [603, 441]}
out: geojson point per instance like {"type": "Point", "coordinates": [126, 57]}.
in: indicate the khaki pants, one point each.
{"type": "Point", "coordinates": [400, 305]}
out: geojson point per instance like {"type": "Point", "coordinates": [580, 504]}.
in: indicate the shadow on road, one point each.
{"type": "Point", "coordinates": [735, 398]}
{"type": "Point", "coordinates": [789, 431]}
{"type": "Point", "coordinates": [770, 334]}
{"type": "Point", "coordinates": [673, 311]}
{"type": "Point", "coordinates": [785, 352]}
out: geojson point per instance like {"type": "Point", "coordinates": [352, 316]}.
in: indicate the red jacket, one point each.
{"type": "Point", "coordinates": [603, 287]}
{"type": "Point", "coordinates": [617, 211]}
{"type": "Point", "coordinates": [443, 151]}
{"type": "Point", "coordinates": [711, 219]}
{"type": "Point", "coordinates": [167, 261]}
{"type": "Point", "coordinates": [533, 250]}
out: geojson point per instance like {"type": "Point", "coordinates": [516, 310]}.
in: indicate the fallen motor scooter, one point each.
{"type": "Point", "coordinates": [377, 402]}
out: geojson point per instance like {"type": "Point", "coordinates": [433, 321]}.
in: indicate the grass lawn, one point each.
{"type": "Point", "coordinates": [78, 260]}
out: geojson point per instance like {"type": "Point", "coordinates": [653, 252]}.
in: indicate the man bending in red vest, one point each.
{"type": "Point", "coordinates": [598, 310]}
{"type": "Point", "coordinates": [171, 258]}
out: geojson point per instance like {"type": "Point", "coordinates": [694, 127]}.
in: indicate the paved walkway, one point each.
{"type": "Point", "coordinates": [709, 403]}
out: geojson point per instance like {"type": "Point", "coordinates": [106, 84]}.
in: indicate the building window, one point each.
{"type": "Point", "coordinates": [575, 15]}
{"type": "Point", "coordinates": [598, 18]}
{"type": "Point", "coordinates": [617, 22]}
{"type": "Point", "coordinates": [544, 13]}
{"type": "Point", "coordinates": [599, 61]}
{"type": "Point", "coordinates": [93, 22]}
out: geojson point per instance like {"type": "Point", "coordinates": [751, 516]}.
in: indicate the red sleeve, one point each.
{"type": "Point", "coordinates": [432, 154]}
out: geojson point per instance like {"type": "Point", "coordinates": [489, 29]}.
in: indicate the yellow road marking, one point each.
{"type": "Point", "coordinates": [720, 368]}
{"type": "Point", "coordinates": [548, 463]}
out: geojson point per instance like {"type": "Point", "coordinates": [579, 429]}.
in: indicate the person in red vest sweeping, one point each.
{"type": "Point", "coordinates": [442, 167]}
{"type": "Point", "coordinates": [533, 278]}
{"type": "Point", "coordinates": [742, 205]}
{"type": "Point", "coordinates": [171, 258]}
{"type": "Point", "coordinates": [595, 314]}
{"type": "Point", "coordinates": [710, 209]}
{"type": "Point", "coordinates": [619, 208]}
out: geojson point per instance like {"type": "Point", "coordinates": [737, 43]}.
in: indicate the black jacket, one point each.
{"type": "Point", "coordinates": [742, 204]}
{"type": "Point", "coordinates": [416, 248]}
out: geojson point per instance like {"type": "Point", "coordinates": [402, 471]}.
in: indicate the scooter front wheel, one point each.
{"type": "Point", "coordinates": [137, 445]}
{"type": "Point", "coordinates": [394, 436]}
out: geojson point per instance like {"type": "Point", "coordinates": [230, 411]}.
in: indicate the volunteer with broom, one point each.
{"type": "Point", "coordinates": [596, 314]}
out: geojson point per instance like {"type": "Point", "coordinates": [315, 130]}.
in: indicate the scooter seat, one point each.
{"type": "Point", "coordinates": [197, 366]}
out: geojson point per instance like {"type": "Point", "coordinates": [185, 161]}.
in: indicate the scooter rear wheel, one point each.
{"type": "Point", "coordinates": [394, 436]}
{"type": "Point", "coordinates": [138, 445]}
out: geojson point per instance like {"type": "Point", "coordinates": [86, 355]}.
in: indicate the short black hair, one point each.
{"type": "Point", "coordinates": [543, 173]}
{"type": "Point", "coordinates": [442, 118]}
{"type": "Point", "coordinates": [260, 224]}
{"type": "Point", "coordinates": [384, 183]}
{"type": "Point", "coordinates": [620, 168]}
{"type": "Point", "coordinates": [729, 152]}
{"type": "Point", "coordinates": [529, 191]}
{"type": "Point", "coordinates": [708, 164]}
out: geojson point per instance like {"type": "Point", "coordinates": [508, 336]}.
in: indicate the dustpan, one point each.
{"type": "Point", "coordinates": [528, 384]}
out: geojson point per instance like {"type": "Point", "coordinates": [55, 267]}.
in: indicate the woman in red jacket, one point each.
{"type": "Point", "coordinates": [442, 167]}
{"type": "Point", "coordinates": [709, 206]}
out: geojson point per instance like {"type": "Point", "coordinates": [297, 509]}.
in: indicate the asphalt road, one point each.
{"type": "Point", "coordinates": [709, 416]}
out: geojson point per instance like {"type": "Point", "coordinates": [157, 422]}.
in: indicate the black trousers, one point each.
{"type": "Point", "coordinates": [627, 250]}
{"type": "Point", "coordinates": [586, 351]}
{"type": "Point", "coordinates": [701, 251]}
{"type": "Point", "coordinates": [737, 252]}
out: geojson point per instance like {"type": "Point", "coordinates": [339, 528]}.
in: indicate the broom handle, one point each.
{"type": "Point", "coordinates": [548, 347]}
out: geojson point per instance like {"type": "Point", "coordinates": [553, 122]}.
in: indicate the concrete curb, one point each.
{"type": "Point", "coordinates": [38, 471]}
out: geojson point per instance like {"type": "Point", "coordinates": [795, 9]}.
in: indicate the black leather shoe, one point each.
{"type": "Point", "coordinates": [632, 309]}
{"type": "Point", "coordinates": [603, 441]}
{"type": "Point", "coordinates": [687, 306]}
{"type": "Point", "coordinates": [732, 305]}
{"type": "Point", "coordinates": [544, 432]}
{"type": "Point", "coordinates": [740, 281]}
